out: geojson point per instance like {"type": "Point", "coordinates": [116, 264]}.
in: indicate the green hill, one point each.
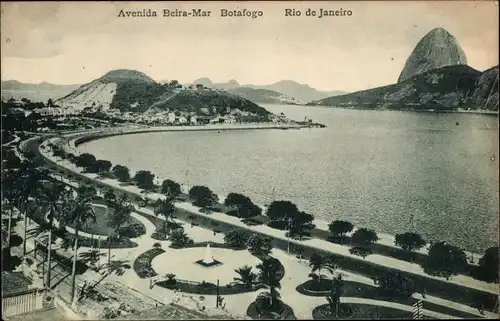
{"type": "Point", "coordinates": [445, 88]}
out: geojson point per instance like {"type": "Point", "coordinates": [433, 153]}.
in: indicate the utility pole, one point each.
{"type": "Point", "coordinates": [217, 298]}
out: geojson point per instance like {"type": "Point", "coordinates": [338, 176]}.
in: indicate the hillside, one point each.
{"type": "Point", "coordinates": [435, 76]}
{"type": "Point", "coordinates": [441, 89]}
{"type": "Point", "coordinates": [130, 90]}
{"type": "Point", "coordinates": [210, 102]}
{"type": "Point", "coordinates": [263, 96]}
{"type": "Point", "coordinates": [485, 92]}
{"type": "Point", "coordinates": [35, 92]}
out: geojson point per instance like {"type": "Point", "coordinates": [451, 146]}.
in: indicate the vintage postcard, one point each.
{"type": "Point", "coordinates": [245, 160]}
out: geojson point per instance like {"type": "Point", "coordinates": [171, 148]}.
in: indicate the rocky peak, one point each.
{"type": "Point", "coordinates": [119, 75]}
{"type": "Point", "coordinates": [436, 49]}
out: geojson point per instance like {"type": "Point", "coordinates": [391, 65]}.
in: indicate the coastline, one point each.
{"type": "Point", "coordinates": [433, 111]}
{"type": "Point", "coordinates": [385, 239]}
{"type": "Point", "coordinates": [340, 250]}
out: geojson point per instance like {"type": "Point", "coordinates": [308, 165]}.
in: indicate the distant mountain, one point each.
{"type": "Point", "coordinates": [35, 92]}
{"type": "Point", "coordinates": [435, 76]}
{"type": "Point", "coordinates": [299, 93]}
{"type": "Point", "coordinates": [264, 96]}
{"type": "Point", "coordinates": [208, 83]}
{"type": "Point", "coordinates": [130, 90]}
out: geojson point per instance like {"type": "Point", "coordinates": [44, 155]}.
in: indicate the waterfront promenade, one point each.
{"type": "Point", "coordinates": [384, 261]}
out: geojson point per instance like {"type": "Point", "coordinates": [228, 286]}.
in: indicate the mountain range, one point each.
{"type": "Point", "coordinates": [35, 92]}
{"type": "Point", "coordinates": [435, 76]}
{"type": "Point", "coordinates": [292, 91]}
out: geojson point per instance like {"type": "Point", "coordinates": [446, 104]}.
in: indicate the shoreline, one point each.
{"type": "Point", "coordinates": [383, 262]}
{"type": "Point", "coordinates": [385, 239]}
{"type": "Point", "coordinates": [432, 111]}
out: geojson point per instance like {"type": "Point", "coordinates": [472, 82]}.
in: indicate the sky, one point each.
{"type": "Point", "coordinates": [76, 42]}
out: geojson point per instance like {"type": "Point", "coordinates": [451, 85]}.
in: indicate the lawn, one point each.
{"type": "Point", "coordinates": [101, 227]}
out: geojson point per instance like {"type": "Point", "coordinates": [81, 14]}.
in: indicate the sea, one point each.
{"type": "Point", "coordinates": [391, 171]}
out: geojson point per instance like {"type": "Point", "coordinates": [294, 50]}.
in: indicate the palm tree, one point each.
{"type": "Point", "coordinates": [120, 213]}
{"type": "Point", "coordinates": [268, 275]}
{"type": "Point", "coordinates": [318, 262]}
{"type": "Point", "coordinates": [53, 201]}
{"type": "Point", "coordinates": [178, 237]}
{"type": "Point", "coordinates": [80, 211]}
{"type": "Point", "coordinates": [246, 276]}
{"type": "Point", "coordinates": [335, 293]}
{"type": "Point", "coordinates": [166, 208]}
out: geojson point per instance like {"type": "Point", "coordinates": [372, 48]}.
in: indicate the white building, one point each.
{"type": "Point", "coordinates": [182, 120]}
{"type": "Point", "coordinates": [171, 117]}
{"type": "Point", "coordinates": [56, 111]}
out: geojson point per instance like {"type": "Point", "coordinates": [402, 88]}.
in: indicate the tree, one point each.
{"type": "Point", "coordinates": [202, 196]}
{"type": "Point", "coordinates": [85, 160]}
{"type": "Point", "coordinates": [173, 83]}
{"type": "Point", "coordinates": [301, 224]}
{"type": "Point", "coordinates": [119, 214]}
{"type": "Point", "coordinates": [103, 165]}
{"type": "Point", "coordinates": [235, 238]}
{"type": "Point", "coordinates": [52, 200]}
{"type": "Point", "coordinates": [236, 199]}
{"type": "Point", "coordinates": [179, 238]}
{"type": "Point", "coordinates": [335, 294]}
{"type": "Point", "coordinates": [144, 179]}
{"type": "Point", "coordinates": [246, 276]}
{"type": "Point", "coordinates": [488, 266]}
{"type": "Point", "coordinates": [50, 103]}
{"type": "Point", "coordinates": [409, 241]}
{"type": "Point", "coordinates": [364, 236]}
{"type": "Point", "coordinates": [110, 198]}
{"type": "Point", "coordinates": [360, 251]}
{"type": "Point", "coordinates": [395, 284]}
{"type": "Point", "coordinates": [445, 260]}
{"type": "Point", "coordinates": [166, 208]}
{"type": "Point", "coordinates": [340, 228]}
{"type": "Point", "coordinates": [281, 210]}
{"type": "Point", "coordinates": [199, 86]}
{"type": "Point", "coordinates": [259, 245]}
{"type": "Point", "coordinates": [249, 211]}
{"type": "Point", "coordinates": [79, 212]}
{"type": "Point", "coordinates": [268, 275]}
{"type": "Point", "coordinates": [122, 173]}
{"type": "Point", "coordinates": [317, 262]}
{"type": "Point", "coordinates": [170, 188]}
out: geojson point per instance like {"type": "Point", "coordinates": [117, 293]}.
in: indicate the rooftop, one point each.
{"type": "Point", "coordinates": [14, 283]}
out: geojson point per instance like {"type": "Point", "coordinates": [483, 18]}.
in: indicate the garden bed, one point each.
{"type": "Point", "coordinates": [361, 290]}
{"type": "Point", "coordinates": [206, 288]}
{"type": "Point", "coordinates": [133, 228]}
{"type": "Point", "coordinates": [286, 313]}
{"type": "Point", "coordinates": [142, 264]}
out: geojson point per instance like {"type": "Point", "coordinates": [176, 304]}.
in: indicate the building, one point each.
{"type": "Point", "coordinates": [182, 120]}
{"type": "Point", "coordinates": [171, 117]}
{"type": "Point", "coordinates": [55, 111]}
{"type": "Point", "coordinates": [20, 294]}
